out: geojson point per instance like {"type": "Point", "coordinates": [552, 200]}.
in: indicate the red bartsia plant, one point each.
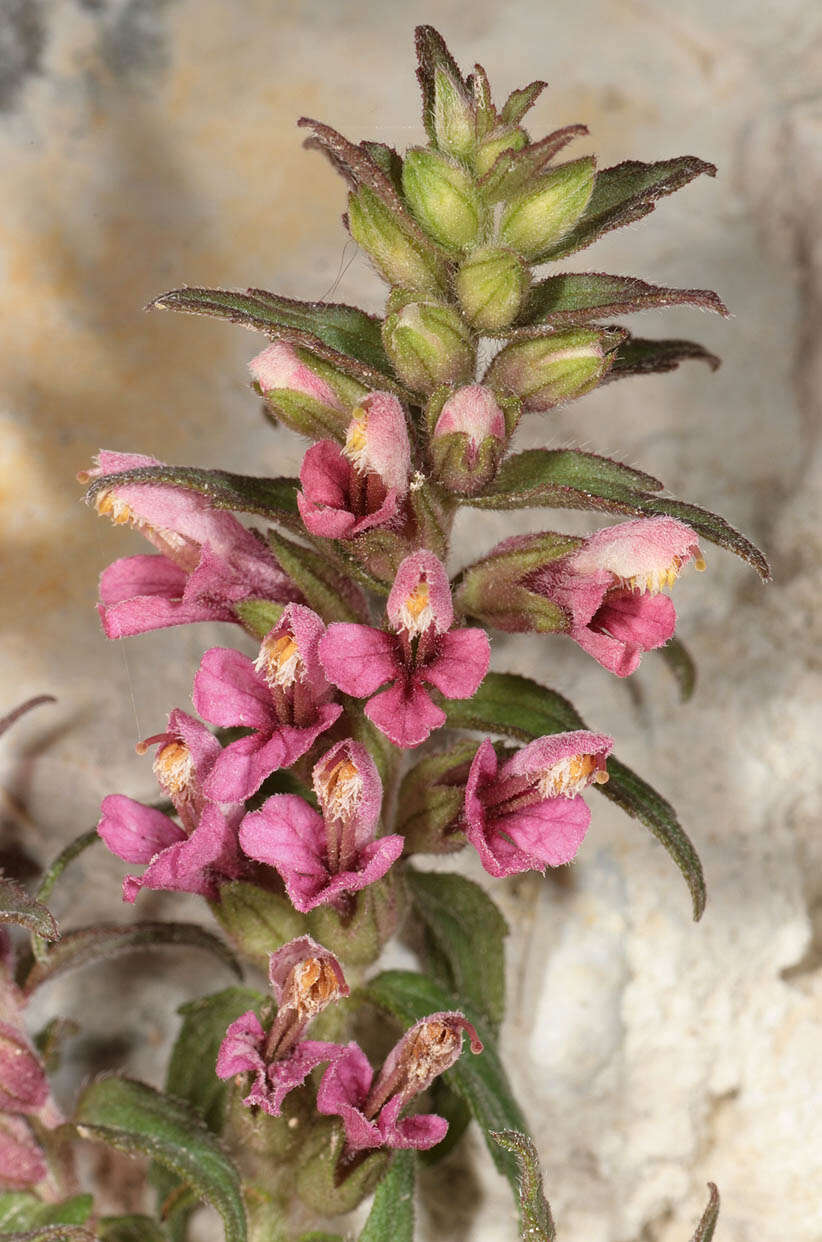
{"type": "Point", "coordinates": [363, 720]}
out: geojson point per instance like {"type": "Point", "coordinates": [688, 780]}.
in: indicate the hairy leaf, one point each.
{"type": "Point", "coordinates": [513, 171]}
{"type": "Point", "coordinates": [638, 356]}
{"type": "Point", "coordinates": [707, 1224]}
{"type": "Point", "coordinates": [274, 499]}
{"type": "Point", "coordinates": [258, 615]}
{"type": "Point", "coordinates": [332, 330]}
{"type": "Point", "coordinates": [18, 906]}
{"type": "Point", "coordinates": [467, 931]}
{"type": "Point", "coordinates": [480, 1080]}
{"type": "Point", "coordinates": [326, 589]}
{"type": "Point", "coordinates": [521, 101]}
{"type": "Point", "coordinates": [52, 874]}
{"type": "Point", "coordinates": [391, 1218]}
{"type": "Point", "coordinates": [625, 193]}
{"type": "Point", "coordinates": [21, 1212]}
{"type": "Point", "coordinates": [107, 940]}
{"type": "Point", "coordinates": [576, 297]}
{"type": "Point", "coordinates": [433, 56]}
{"type": "Point", "coordinates": [138, 1120]}
{"type": "Point", "coordinates": [521, 708]}
{"type": "Point", "coordinates": [570, 479]}
{"type": "Point", "coordinates": [132, 1228]}
{"type": "Point", "coordinates": [679, 660]}
{"type": "Point", "coordinates": [536, 1221]}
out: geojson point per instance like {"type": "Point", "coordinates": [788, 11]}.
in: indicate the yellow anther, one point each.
{"type": "Point", "coordinates": [108, 505]}
{"type": "Point", "coordinates": [279, 661]}
{"type": "Point", "coordinates": [418, 600]}
{"type": "Point", "coordinates": [314, 985]}
{"type": "Point", "coordinates": [339, 789]}
{"type": "Point", "coordinates": [356, 442]}
{"type": "Point", "coordinates": [570, 776]}
{"type": "Point", "coordinates": [174, 767]}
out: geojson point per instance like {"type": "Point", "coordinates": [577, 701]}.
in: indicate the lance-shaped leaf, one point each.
{"type": "Point", "coordinates": [521, 708]}
{"type": "Point", "coordinates": [569, 479]}
{"type": "Point", "coordinates": [480, 1080]}
{"type": "Point", "coordinates": [132, 1228]}
{"type": "Point", "coordinates": [576, 297]}
{"type": "Point", "coordinates": [637, 356]}
{"type": "Point", "coordinates": [521, 101]}
{"type": "Point", "coordinates": [466, 934]}
{"type": "Point", "coordinates": [21, 1212]}
{"type": "Point", "coordinates": [53, 873]}
{"type": "Point", "coordinates": [434, 58]}
{"type": "Point", "coordinates": [391, 1218]}
{"type": "Point", "coordinates": [258, 615]}
{"type": "Point", "coordinates": [14, 715]}
{"type": "Point", "coordinates": [274, 499]}
{"type": "Point", "coordinates": [345, 331]}
{"type": "Point", "coordinates": [327, 590]}
{"type": "Point", "coordinates": [18, 906]}
{"type": "Point", "coordinates": [108, 940]}
{"type": "Point", "coordinates": [387, 160]}
{"type": "Point", "coordinates": [513, 171]}
{"type": "Point", "coordinates": [138, 1120]}
{"type": "Point", "coordinates": [707, 1224]}
{"type": "Point", "coordinates": [625, 193]}
{"type": "Point", "coordinates": [680, 662]}
{"type": "Point", "coordinates": [536, 1221]}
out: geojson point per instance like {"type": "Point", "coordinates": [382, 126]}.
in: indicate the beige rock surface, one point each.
{"type": "Point", "coordinates": [150, 143]}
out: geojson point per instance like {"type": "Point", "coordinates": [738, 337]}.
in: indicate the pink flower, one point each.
{"type": "Point", "coordinates": [305, 978]}
{"type": "Point", "coordinates": [209, 561]}
{"type": "Point", "coordinates": [370, 1110]}
{"type": "Point", "coordinates": [194, 858]}
{"type": "Point", "coordinates": [527, 814]}
{"type": "Point", "coordinates": [283, 695]}
{"type": "Point", "coordinates": [280, 366]}
{"type": "Point", "coordinates": [423, 649]}
{"type": "Point", "coordinates": [609, 588]}
{"type": "Point", "coordinates": [323, 858]}
{"type": "Point", "coordinates": [349, 490]}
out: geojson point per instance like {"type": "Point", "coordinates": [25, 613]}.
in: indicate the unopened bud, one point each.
{"type": "Point", "coordinates": [307, 394]}
{"type": "Point", "coordinates": [428, 345]}
{"type": "Point", "coordinates": [535, 220]}
{"type": "Point", "coordinates": [468, 440]}
{"type": "Point", "coordinates": [400, 258]}
{"type": "Point", "coordinates": [454, 124]}
{"type": "Point", "coordinates": [495, 589]}
{"type": "Point", "coordinates": [23, 1086]}
{"type": "Point", "coordinates": [443, 197]}
{"type": "Point", "coordinates": [494, 145]}
{"type": "Point", "coordinates": [544, 371]}
{"type": "Point", "coordinates": [491, 286]}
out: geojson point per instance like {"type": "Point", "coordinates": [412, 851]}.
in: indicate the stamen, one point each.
{"type": "Point", "coordinates": [570, 776]}
{"type": "Point", "coordinates": [109, 505]}
{"type": "Point", "coordinates": [314, 985]}
{"type": "Point", "coordinates": [432, 1050]}
{"type": "Point", "coordinates": [279, 661]}
{"type": "Point", "coordinates": [174, 767]}
{"type": "Point", "coordinates": [339, 790]}
{"type": "Point", "coordinates": [655, 580]}
{"type": "Point", "coordinates": [416, 613]}
{"type": "Point", "coordinates": [356, 442]}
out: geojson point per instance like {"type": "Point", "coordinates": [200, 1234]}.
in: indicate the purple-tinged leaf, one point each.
{"type": "Point", "coordinates": [521, 708]}
{"type": "Point", "coordinates": [536, 1221]}
{"type": "Point", "coordinates": [570, 479]}
{"type": "Point", "coordinates": [707, 1224]}
{"type": "Point", "coordinates": [576, 297]}
{"type": "Point", "coordinates": [626, 193]}
{"type": "Point", "coordinates": [391, 1218]}
{"type": "Point", "coordinates": [14, 715]}
{"type": "Point", "coordinates": [327, 589]}
{"type": "Point", "coordinates": [387, 160]}
{"type": "Point", "coordinates": [18, 906]}
{"type": "Point", "coordinates": [521, 101]}
{"type": "Point", "coordinates": [636, 356]}
{"type": "Point", "coordinates": [680, 662]}
{"type": "Point", "coordinates": [140, 1121]}
{"type": "Point", "coordinates": [513, 171]}
{"type": "Point", "coordinates": [345, 336]}
{"type": "Point", "coordinates": [100, 943]}
{"type": "Point", "coordinates": [433, 56]}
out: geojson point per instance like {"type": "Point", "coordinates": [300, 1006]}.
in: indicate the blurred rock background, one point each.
{"type": "Point", "coordinates": [150, 143]}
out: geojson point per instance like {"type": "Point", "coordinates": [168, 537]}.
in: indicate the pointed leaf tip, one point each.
{"type": "Point", "coordinates": [536, 1220]}
{"type": "Point", "coordinates": [707, 1223]}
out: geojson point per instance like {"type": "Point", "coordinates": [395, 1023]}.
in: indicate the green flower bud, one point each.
{"type": "Point", "coordinates": [492, 285]}
{"type": "Point", "coordinates": [470, 432]}
{"type": "Point", "coordinates": [357, 937]}
{"type": "Point", "coordinates": [305, 392]}
{"type": "Point", "coordinates": [454, 124]}
{"type": "Point", "coordinates": [429, 344]}
{"type": "Point", "coordinates": [400, 258]}
{"type": "Point", "coordinates": [443, 197]}
{"type": "Point", "coordinates": [495, 591]}
{"type": "Point", "coordinates": [257, 921]}
{"type": "Point", "coordinates": [317, 1178]}
{"type": "Point", "coordinates": [544, 371]}
{"type": "Point", "coordinates": [535, 220]}
{"type": "Point", "coordinates": [494, 145]}
{"type": "Point", "coordinates": [431, 801]}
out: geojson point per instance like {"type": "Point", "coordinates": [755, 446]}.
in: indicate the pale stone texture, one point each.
{"type": "Point", "coordinates": [148, 144]}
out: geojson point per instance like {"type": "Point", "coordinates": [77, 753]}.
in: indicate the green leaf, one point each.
{"type": "Point", "coordinates": [326, 590]}
{"type": "Point", "coordinates": [625, 193]}
{"type": "Point", "coordinates": [707, 1224]}
{"type": "Point", "coordinates": [446, 1103]}
{"type": "Point", "coordinates": [274, 499]}
{"type": "Point", "coordinates": [259, 615]}
{"type": "Point", "coordinates": [521, 708]}
{"type": "Point", "coordinates": [138, 1120]}
{"type": "Point", "coordinates": [344, 332]}
{"type": "Point", "coordinates": [536, 1221]}
{"type": "Point", "coordinates": [18, 906]}
{"type": "Point", "coordinates": [391, 1218]}
{"type": "Point", "coordinates": [52, 1233]}
{"type": "Point", "coordinates": [513, 171]}
{"type": "Point", "coordinates": [679, 660]}
{"type": "Point", "coordinates": [21, 1212]}
{"type": "Point", "coordinates": [467, 931]}
{"type": "Point", "coordinates": [569, 479]}
{"type": "Point", "coordinates": [521, 101]}
{"type": "Point", "coordinates": [130, 1229]}
{"type": "Point", "coordinates": [480, 1080]}
{"type": "Point", "coordinates": [576, 297]}
{"type": "Point", "coordinates": [258, 921]}
{"type": "Point", "coordinates": [434, 57]}
{"type": "Point", "coordinates": [637, 356]}
{"type": "Point", "coordinates": [108, 940]}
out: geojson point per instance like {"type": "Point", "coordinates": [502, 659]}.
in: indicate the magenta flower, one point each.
{"type": "Point", "coordinates": [305, 978]}
{"type": "Point", "coordinates": [280, 366]}
{"type": "Point", "coordinates": [610, 588]}
{"type": "Point", "coordinates": [283, 696]}
{"type": "Point", "coordinates": [208, 560]}
{"type": "Point", "coordinates": [527, 814]}
{"type": "Point", "coordinates": [22, 1163]}
{"type": "Point", "coordinates": [323, 858]}
{"type": "Point", "coordinates": [195, 857]}
{"type": "Point", "coordinates": [370, 1110]}
{"type": "Point", "coordinates": [423, 649]}
{"type": "Point", "coordinates": [349, 490]}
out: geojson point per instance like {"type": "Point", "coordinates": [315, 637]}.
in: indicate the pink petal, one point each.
{"type": "Point", "coordinates": [549, 833]}
{"type": "Point", "coordinates": [23, 1085]}
{"type": "Point", "coordinates": [229, 691]}
{"type": "Point", "coordinates": [135, 832]}
{"type": "Point", "coordinates": [369, 800]}
{"type": "Point", "coordinates": [474, 411]}
{"type": "Point", "coordinates": [543, 753]}
{"type": "Point", "coordinates": [241, 1049]}
{"type": "Point", "coordinates": [281, 964]}
{"type": "Point", "coordinates": [648, 621]}
{"type": "Point", "coordinates": [290, 1072]}
{"type": "Point", "coordinates": [460, 664]}
{"type": "Point", "coordinates": [386, 451]}
{"type": "Point", "coordinates": [325, 499]}
{"type": "Point", "coordinates": [195, 865]}
{"type": "Point", "coordinates": [342, 1093]}
{"type": "Point", "coordinates": [288, 834]}
{"type": "Point", "coordinates": [372, 864]}
{"type": "Point", "coordinates": [641, 549]}
{"type": "Point", "coordinates": [422, 1131]}
{"type": "Point", "coordinates": [405, 713]}
{"type": "Point", "coordinates": [148, 574]}
{"type": "Point", "coordinates": [280, 366]}
{"type": "Point", "coordinates": [618, 657]}
{"type": "Point", "coordinates": [358, 658]}
{"type": "Point", "coordinates": [21, 1160]}
{"type": "Point", "coordinates": [416, 567]}
{"type": "Point", "coordinates": [307, 629]}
